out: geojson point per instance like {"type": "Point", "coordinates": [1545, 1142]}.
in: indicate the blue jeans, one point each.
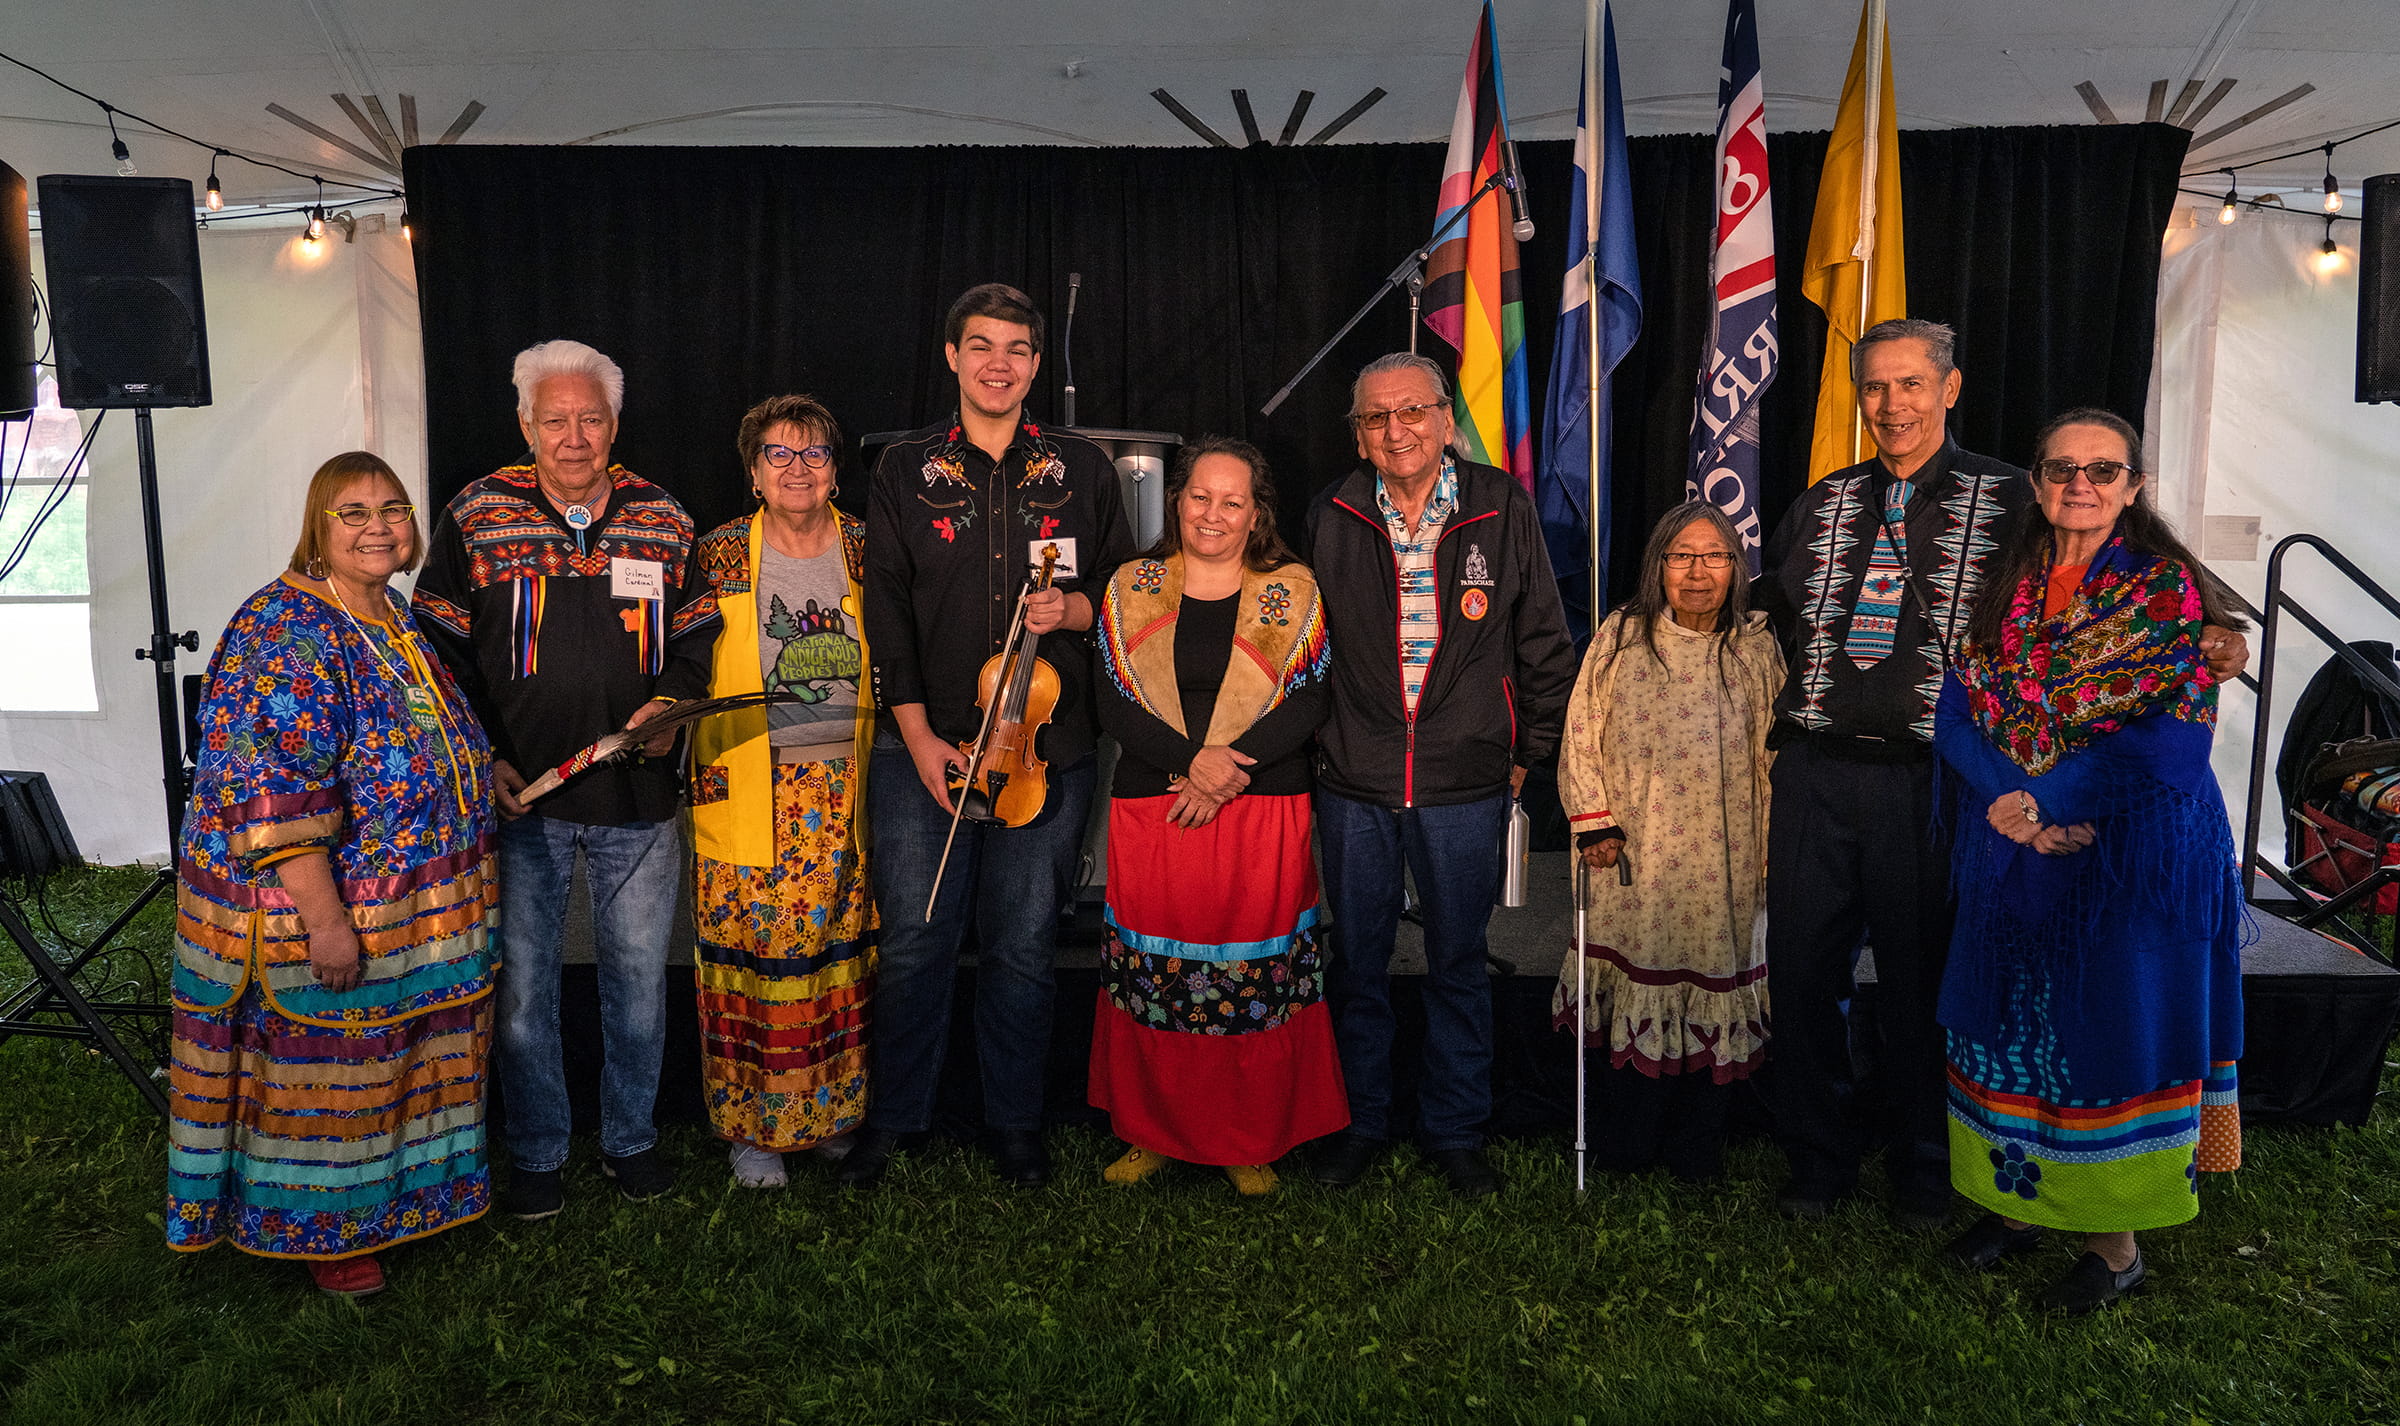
{"type": "Point", "coordinates": [634, 874]}
{"type": "Point", "coordinates": [1011, 882]}
{"type": "Point", "coordinates": [1454, 854]}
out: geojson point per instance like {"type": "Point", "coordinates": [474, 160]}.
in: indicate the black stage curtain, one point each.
{"type": "Point", "coordinates": [717, 276]}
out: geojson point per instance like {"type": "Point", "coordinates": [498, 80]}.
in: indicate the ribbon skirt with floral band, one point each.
{"type": "Point", "coordinates": [303, 1141]}
{"type": "Point", "coordinates": [2023, 1148]}
{"type": "Point", "coordinates": [786, 970]}
{"type": "Point", "coordinates": [1211, 1040]}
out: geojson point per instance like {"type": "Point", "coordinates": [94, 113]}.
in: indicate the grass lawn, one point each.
{"type": "Point", "coordinates": [947, 1298]}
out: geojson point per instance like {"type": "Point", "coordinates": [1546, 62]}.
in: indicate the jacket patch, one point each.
{"type": "Point", "coordinates": [1474, 604]}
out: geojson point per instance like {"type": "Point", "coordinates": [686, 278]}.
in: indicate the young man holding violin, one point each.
{"type": "Point", "coordinates": [959, 516]}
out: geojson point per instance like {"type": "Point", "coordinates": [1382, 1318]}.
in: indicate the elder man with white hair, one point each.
{"type": "Point", "coordinates": [563, 597]}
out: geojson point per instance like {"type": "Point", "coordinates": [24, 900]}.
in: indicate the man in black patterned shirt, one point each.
{"type": "Point", "coordinates": [958, 515]}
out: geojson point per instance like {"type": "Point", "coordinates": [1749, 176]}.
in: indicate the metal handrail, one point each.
{"type": "Point", "coordinates": [2279, 604]}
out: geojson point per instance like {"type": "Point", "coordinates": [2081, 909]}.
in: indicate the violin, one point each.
{"type": "Point", "coordinates": [1006, 781]}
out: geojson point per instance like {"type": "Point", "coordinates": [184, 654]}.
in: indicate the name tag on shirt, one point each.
{"type": "Point", "coordinates": [1064, 545]}
{"type": "Point", "coordinates": [636, 579]}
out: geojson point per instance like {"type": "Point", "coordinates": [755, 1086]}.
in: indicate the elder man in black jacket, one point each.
{"type": "Point", "coordinates": [1439, 561]}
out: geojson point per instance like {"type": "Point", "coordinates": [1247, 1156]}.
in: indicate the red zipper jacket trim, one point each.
{"type": "Point", "coordinates": [1408, 715]}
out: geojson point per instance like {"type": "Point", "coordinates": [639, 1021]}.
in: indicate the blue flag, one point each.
{"type": "Point", "coordinates": [1738, 364]}
{"type": "Point", "coordinates": [1601, 264]}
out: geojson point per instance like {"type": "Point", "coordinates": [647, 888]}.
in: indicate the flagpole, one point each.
{"type": "Point", "coordinates": [1595, 107]}
{"type": "Point", "coordinates": [1597, 536]}
{"type": "Point", "coordinates": [1870, 164]}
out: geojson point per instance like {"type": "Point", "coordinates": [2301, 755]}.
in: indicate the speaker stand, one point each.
{"type": "Point", "coordinates": [163, 638]}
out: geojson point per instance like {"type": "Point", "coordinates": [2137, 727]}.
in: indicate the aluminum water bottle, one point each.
{"type": "Point", "coordinates": [1516, 856]}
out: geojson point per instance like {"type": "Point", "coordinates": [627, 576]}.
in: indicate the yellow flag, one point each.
{"type": "Point", "coordinates": [1856, 268]}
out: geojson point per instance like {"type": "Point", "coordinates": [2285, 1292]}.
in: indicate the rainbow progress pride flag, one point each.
{"type": "Point", "coordinates": [1472, 295]}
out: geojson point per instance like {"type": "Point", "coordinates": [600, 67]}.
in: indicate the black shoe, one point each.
{"type": "Point", "coordinates": [2092, 1284]}
{"type": "Point", "coordinates": [640, 1177]}
{"type": "Point", "coordinates": [534, 1196]}
{"type": "Point", "coordinates": [871, 1152]}
{"type": "Point", "coordinates": [1981, 1247]}
{"type": "Point", "coordinates": [1020, 1157]}
{"type": "Point", "coordinates": [1344, 1159]}
{"type": "Point", "coordinates": [1811, 1203]}
{"type": "Point", "coordinates": [1468, 1173]}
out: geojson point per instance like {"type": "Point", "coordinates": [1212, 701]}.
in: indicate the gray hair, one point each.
{"type": "Point", "coordinates": [1940, 342]}
{"type": "Point", "coordinates": [538, 363]}
{"type": "Point", "coordinates": [1426, 366]}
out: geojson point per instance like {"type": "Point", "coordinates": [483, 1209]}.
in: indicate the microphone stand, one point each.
{"type": "Point", "coordinates": [1407, 271]}
{"type": "Point", "coordinates": [1066, 346]}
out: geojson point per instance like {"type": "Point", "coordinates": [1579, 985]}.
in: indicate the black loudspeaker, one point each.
{"type": "Point", "coordinates": [17, 386]}
{"type": "Point", "coordinates": [2379, 291]}
{"type": "Point", "coordinates": [126, 326]}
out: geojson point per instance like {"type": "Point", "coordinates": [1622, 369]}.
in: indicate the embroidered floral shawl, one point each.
{"type": "Point", "coordinates": [2127, 645]}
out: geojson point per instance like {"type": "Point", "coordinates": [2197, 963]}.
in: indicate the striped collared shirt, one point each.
{"type": "Point", "coordinates": [1420, 601]}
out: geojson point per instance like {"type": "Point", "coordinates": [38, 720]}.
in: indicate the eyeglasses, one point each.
{"type": "Point", "coordinates": [392, 513]}
{"type": "Point", "coordinates": [1709, 559]}
{"type": "Point", "coordinates": [2100, 472]}
{"type": "Point", "coordinates": [814, 457]}
{"type": "Point", "coordinates": [1409, 416]}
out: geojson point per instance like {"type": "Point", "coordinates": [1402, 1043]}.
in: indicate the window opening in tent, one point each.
{"type": "Point", "coordinates": [46, 590]}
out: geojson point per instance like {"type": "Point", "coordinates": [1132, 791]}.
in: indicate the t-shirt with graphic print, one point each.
{"type": "Point", "coordinates": [807, 646]}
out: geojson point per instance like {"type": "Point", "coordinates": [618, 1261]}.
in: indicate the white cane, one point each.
{"type": "Point", "coordinates": [1582, 883]}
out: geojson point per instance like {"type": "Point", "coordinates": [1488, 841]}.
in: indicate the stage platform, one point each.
{"type": "Point", "coordinates": [2318, 1018]}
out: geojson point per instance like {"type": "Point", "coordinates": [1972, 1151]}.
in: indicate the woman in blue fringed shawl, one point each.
{"type": "Point", "coordinates": [2093, 996]}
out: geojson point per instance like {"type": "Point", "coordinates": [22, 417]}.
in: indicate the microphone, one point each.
{"type": "Point", "coordinates": [1066, 343]}
{"type": "Point", "coordinates": [1516, 189]}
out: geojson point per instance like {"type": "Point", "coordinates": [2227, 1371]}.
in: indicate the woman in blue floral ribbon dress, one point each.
{"type": "Point", "coordinates": [2093, 995]}
{"type": "Point", "coordinates": [334, 948]}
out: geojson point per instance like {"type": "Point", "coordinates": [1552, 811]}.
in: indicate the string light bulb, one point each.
{"type": "Point", "coordinates": [116, 144]}
{"type": "Point", "coordinates": [2333, 189]}
{"type": "Point", "coordinates": [216, 192]}
{"type": "Point", "coordinates": [408, 228]}
{"type": "Point", "coordinates": [2231, 210]}
{"type": "Point", "coordinates": [316, 224]}
{"type": "Point", "coordinates": [2329, 256]}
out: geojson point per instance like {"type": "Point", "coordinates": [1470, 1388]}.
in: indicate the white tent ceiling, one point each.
{"type": "Point", "coordinates": [900, 72]}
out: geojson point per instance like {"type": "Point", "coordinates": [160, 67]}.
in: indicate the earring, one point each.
{"type": "Point", "coordinates": [315, 568]}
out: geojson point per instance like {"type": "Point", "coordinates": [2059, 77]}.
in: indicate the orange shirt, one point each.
{"type": "Point", "coordinates": [2065, 579]}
